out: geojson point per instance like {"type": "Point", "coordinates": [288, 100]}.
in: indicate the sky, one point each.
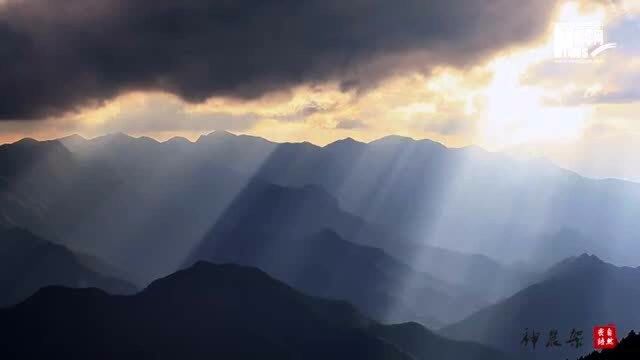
{"type": "Point", "coordinates": [461, 72]}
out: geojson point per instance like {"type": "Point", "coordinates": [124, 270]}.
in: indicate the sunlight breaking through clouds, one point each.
{"type": "Point", "coordinates": [518, 99]}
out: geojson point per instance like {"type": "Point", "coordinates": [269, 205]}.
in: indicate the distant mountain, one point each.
{"type": "Point", "coordinates": [44, 188]}
{"type": "Point", "coordinates": [130, 156]}
{"type": "Point", "coordinates": [29, 156]}
{"type": "Point", "coordinates": [153, 207]}
{"type": "Point", "coordinates": [212, 312]}
{"type": "Point", "coordinates": [150, 222]}
{"type": "Point", "coordinates": [31, 176]}
{"type": "Point", "coordinates": [118, 197]}
{"type": "Point", "coordinates": [290, 233]}
{"type": "Point", "coordinates": [467, 199]}
{"type": "Point", "coordinates": [577, 293]}
{"type": "Point", "coordinates": [628, 349]}
{"type": "Point", "coordinates": [28, 263]}
{"type": "Point", "coordinates": [463, 199]}
{"type": "Point", "coordinates": [477, 273]}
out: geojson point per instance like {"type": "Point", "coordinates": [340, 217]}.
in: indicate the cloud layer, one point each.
{"type": "Point", "coordinates": [57, 57]}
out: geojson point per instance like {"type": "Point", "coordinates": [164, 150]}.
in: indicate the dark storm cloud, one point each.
{"type": "Point", "coordinates": [56, 56]}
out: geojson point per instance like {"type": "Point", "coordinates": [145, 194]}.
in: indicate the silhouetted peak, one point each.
{"type": "Point", "coordinates": [26, 141]}
{"type": "Point", "coordinates": [178, 140]}
{"type": "Point", "coordinates": [73, 140]}
{"type": "Point", "coordinates": [345, 142]}
{"type": "Point", "coordinates": [586, 260]}
{"type": "Point", "coordinates": [413, 325]}
{"type": "Point", "coordinates": [30, 144]}
{"type": "Point", "coordinates": [221, 133]}
{"type": "Point", "coordinates": [393, 140]}
{"type": "Point", "coordinates": [576, 265]}
{"type": "Point", "coordinates": [216, 135]}
{"type": "Point", "coordinates": [410, 327]}
{"type": "Point", "coordinates": [589, 258]}
{"type": "Point", "coordinates": [204, 277]}
{"type": "Point", "coordinates": [75, 137]}
{"type": "Point", "coordinates": [296, 146]}
{"type": "Point", "coordinates": [202, 266]}
{"type": "Point", "coordinates": [117, 137]}
{"type": "Point", "coordinates": [250, 289]}
{"type": "Point", "coordinates": [27, 152]}
{"type": "Point", "coordinates": [148, 140]}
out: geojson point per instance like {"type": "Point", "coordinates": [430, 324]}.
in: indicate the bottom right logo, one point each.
{"type": "Point", "coordinates": [605, 337]}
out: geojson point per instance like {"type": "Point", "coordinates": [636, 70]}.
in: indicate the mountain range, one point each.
{"type": "Point", "coordinates": [472, 243]}
{"type": "Point", "coordinates": [212, 311]}
{"type": "Point", "coordinates": [112, 185]}
{"type": "Point", "coordinates": [463, 199]}
{"type": "Point", "coordinates": [169, 209]}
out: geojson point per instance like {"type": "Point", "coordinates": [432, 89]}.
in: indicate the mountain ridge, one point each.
{"type": "Point", "coordinates": [216, 309]}
{"type": "Point", "coordinates": [28, 263]}
{"type": "Point", "coordinates": [578, 293]}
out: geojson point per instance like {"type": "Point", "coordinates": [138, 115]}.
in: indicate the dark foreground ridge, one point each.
{"type": "Point", "coordinates": [628, 349]}
{"type": "Point", "coordinates": [213, 312]}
